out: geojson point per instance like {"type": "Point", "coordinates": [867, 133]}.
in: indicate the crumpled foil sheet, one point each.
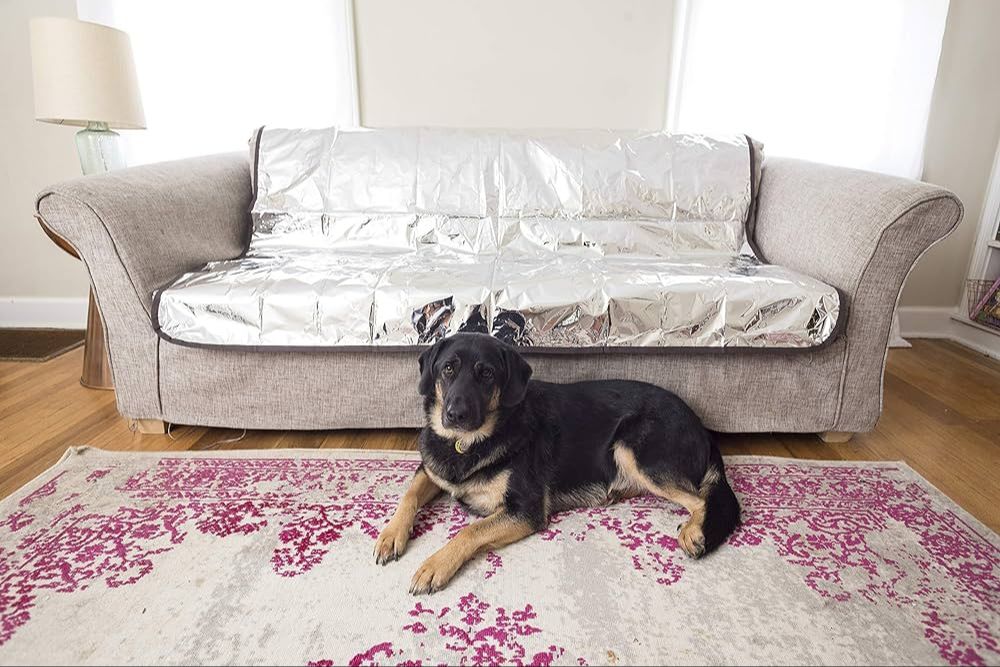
{"type": "Point", "coordinates": [549, 239]}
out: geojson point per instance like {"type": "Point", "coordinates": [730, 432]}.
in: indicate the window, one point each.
{"type": "Point", "coordinates": [211, 72]}
{"type": "Point", "coordinates": [846, 82]}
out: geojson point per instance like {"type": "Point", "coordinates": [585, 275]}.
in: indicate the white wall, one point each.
{"type": "Point", "coordinates": [962, 135]}
{"type": "Point", "coordinates": [33, 156]}
{"type": "Point", "coordinates": [515, 63]}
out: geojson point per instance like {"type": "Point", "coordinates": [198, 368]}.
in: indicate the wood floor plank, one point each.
{"type": "Point", "coordinates": [941, 416]}
{"type": "Point", "coordinates": [972, 388]}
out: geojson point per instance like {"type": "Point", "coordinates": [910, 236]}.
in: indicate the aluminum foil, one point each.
{"type": "Point", "coordinates": [550, 239]}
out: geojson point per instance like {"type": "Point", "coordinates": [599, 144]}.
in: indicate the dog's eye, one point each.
{"type": "Point", "coordinates": [449, 369]}
{"type": "Point", "coordinates": [486, 373]}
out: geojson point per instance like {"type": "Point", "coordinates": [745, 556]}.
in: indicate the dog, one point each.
{"type": "Point", "coordinates": [515, 450]}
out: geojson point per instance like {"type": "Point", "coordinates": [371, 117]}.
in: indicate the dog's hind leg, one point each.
{"type": "Point", "coordinates": [691, 536]}
{"type": "Point", "coordinates": [392, 541]}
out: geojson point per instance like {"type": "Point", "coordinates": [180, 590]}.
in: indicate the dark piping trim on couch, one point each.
{"type": "Point", "coordinates": [838, 329]}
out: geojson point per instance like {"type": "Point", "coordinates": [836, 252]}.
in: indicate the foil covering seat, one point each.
{"type": "Point", "coordinates": [570, 301]}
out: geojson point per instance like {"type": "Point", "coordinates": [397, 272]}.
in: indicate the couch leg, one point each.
{"type": "Point", "coordinates": [835, 437]}
{"type": "Point", "coordinates": [148, 426]}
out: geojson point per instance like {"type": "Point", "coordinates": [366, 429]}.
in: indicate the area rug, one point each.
{"type": "Point", "coordinates": [266, 558]}
{"type": "Point", "coordinates": [37, 344]}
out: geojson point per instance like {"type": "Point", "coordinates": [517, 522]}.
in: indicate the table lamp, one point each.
{"type": "Point", "coordinates": [84, 76]}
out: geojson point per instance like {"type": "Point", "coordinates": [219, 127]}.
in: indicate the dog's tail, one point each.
{"type": "Point", "coordinates": [722, 509]}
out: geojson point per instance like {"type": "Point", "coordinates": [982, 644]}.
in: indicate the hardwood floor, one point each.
{"type": "Point", "coordinates": [941, 416]}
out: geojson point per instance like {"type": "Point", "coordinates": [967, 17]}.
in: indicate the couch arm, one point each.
{"type": "Point", "coordinates": [136, 229]}
{"type": "Point", "coordinates": [862, 233]}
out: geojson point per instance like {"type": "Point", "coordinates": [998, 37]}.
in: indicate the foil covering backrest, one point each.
{"type": "Point", "coordinates": [606, 174]}
{"type": "Point", "coordinates": [374, 171]}
{"type": "Point", "coordinates": [404, 187]}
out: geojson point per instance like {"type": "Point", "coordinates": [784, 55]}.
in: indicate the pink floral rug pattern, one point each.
{"type": "Point", "coordinates": [266, 558]}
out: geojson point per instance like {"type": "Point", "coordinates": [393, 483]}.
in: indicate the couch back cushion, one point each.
{"type": "Point", "coordinates": [633, 175]}
{"type": "Point", "coordinates": [308, 181]}
{"type": "Point", "coordinates": [359, 170]}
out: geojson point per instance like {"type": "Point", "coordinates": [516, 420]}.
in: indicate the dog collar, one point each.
{"type": "Point", "coordinates": [458, 447]}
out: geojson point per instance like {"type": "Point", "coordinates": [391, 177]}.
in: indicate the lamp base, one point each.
{"type": "Point", "coordinates": [99, 148]}
{"type": "Point", "coordinates": [100, 151]}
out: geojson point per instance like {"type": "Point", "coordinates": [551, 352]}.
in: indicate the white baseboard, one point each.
{"type": "Point", "coordinates": [950, 324]}
{"type": "Point", "coordinates": [895, 338]}
{"type": "Point", "coordinates": [43, 313]}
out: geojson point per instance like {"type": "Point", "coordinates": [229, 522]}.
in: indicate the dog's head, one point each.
{"type": "Point", "coordinates": [466, 379]}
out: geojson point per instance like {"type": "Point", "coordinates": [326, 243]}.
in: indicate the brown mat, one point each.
{"type": "Point", "coordinates": [37, 344]}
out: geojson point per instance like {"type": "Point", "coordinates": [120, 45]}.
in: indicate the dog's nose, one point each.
{"type": "Point", "coordinates": [456, 414]}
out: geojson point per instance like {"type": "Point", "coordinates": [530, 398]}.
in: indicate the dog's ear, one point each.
{"type": "Point", "coordinates": [518, 374]}
{"type": "Point", "coordinates": [426, 361]}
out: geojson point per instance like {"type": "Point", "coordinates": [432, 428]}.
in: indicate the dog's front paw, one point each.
{"type": "Point", "coordinates": [434, 574]}
{"type": "Point", "coordinates": [391, 543]}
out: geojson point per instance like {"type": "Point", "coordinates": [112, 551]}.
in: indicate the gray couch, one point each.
{"type": "Point", "coordinates": [138, 229]}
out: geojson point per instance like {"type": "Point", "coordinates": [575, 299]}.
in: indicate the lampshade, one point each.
{"type": "Point", "coordinates": [84, 72]}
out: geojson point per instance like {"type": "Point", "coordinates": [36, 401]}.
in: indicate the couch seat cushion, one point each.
{"type": "Point", "coordinates": [327, 299]}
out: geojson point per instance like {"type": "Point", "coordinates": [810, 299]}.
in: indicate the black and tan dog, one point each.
{"type": "Point", "coordinates": [515, 450]}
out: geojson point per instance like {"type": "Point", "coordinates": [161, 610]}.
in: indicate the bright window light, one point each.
{"type": "Point", "coordinates": [211, 72]}
{"type": "Point", "coordinates": [846, 82]}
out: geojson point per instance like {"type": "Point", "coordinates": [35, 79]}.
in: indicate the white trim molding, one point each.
{"type": "Point", "coordinates": [681, 14]}
{"type": "Point", "coordinates": [979, 261]}
{"type": "Point", "coordinates": [949, 324]}
{"type": "Point", "coordinates": [352, 64]}
{"type": "Point", "coordinates": [43, 312]}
